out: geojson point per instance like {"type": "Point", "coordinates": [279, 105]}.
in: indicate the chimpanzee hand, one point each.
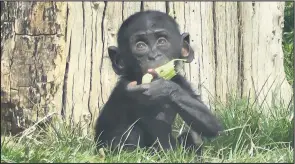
{"type": "Point", "coordinates": [158, 90]}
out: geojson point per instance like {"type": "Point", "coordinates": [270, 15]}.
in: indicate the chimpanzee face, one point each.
{"type": "Point", "coordinates": [148, 40]}
{"type": "Point", "coordinates": [154, 47]}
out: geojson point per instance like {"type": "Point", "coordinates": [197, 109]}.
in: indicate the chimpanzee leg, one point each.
{"type": "Point", "coordinates": [124, 135]}
{"type": "Point", "coordinates": [165, 143]}
{"type": "Point", "coordinates": [158, 132]}
{"type": "Point", "coordinates": [191, 140]}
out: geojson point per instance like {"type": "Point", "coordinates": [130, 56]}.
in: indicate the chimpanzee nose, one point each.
{"type": "Point", "coordinates": [153, 55]}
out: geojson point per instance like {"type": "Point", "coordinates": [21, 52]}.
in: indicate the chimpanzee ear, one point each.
{"type": "Point", "coordinates": [187, 52]}
{"type": "Point", "coordinates": [117, 62]}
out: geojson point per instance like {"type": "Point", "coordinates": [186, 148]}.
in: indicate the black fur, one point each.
{"type": "Point", "coordinates": [138, 115]}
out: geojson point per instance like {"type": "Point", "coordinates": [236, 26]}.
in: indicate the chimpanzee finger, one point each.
{"type": "Point", "coordinates": [132, 87]}
{"type": "Point", "coordinates": [154, 74]}
{"type": "Point", "coordinates": [133, 83]}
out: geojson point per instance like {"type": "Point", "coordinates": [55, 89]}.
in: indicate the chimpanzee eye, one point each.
{"type": "Point", "coordinates": [162, 41]}
{"type": "Point", "coordinates": [140, 46]}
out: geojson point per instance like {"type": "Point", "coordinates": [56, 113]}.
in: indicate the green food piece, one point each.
{"type": "Point", "coordinates": [166, 71]}
{"type": "Point", "coordinates": [147, 78]}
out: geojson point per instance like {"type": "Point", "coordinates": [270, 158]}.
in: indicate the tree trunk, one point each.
{"type": "Point", "coordinates": [54, 54]}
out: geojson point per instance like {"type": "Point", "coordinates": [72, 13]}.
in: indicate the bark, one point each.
{"type": "Point", "coordinates": [32, 60]}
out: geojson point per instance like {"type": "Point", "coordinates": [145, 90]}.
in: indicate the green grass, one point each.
{"type": "Point", "coordinates": [249, 137]}
{"type": "Point", "coordinates": [288, 41]}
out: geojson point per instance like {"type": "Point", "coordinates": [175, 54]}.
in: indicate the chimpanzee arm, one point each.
{"type": "Point", "coordinates": [181, 98]}
{"type": "Point", "coordinates": [193, 111]}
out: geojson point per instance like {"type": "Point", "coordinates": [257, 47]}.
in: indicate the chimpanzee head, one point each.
{"type": "Point", "coordinates": [147, 40]}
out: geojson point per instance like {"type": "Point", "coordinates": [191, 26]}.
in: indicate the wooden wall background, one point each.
{"type": "Point", "coordinates": [54, 54]}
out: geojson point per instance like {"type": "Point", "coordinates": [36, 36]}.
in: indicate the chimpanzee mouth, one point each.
{"type": "Point", "coordinates": [157, 64]}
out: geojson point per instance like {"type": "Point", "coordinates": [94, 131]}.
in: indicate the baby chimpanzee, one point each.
{"type": "Point", "coordinates": [139, 114]}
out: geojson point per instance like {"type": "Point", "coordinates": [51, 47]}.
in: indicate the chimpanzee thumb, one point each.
{"type": "Point", "coordinates": [153, 73]}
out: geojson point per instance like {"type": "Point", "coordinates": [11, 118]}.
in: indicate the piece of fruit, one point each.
{"type": "Point", "coordinates": [166, 71]}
